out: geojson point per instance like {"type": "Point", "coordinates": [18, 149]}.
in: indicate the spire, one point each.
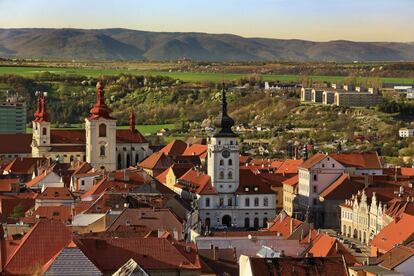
{"type": "Point", "coordinates": [224, 122]}
{"type": "Point", "coordinates": [43, 114]}
{"type": "Point", "coordinates": [37, 113]}
{"type": "Point", "coordinates": [100, 109]}
{"type": "Point", "coordinates": [132, 121]}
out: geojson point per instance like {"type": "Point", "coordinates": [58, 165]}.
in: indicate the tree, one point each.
{"type": "Point", "coordinates": [18, 211]}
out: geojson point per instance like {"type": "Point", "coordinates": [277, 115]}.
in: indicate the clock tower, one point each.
{"type": "Point", "coordinates": [223, 153]}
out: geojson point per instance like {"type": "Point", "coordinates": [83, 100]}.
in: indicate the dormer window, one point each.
{"type": "Point", "coordinates": [256, 188]}
{"type": "Point", "coordinates": [246, 189]}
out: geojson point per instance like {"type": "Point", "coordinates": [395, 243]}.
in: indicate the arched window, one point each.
{"type": "Point", "coordinates": [102, 151]}
{"type": "Point", "coordinates": [230, 175]}
{"type": "Point", "coordinates": [119, 161]}
{"type": "Point", "coordinates": [207, 202]}
{"type": "Point", "coordinates": [221, 162]}
{"type": "Point", "coordinates": [246, 222]}
{"type": "Point", "coordinates": [72, 158]}
{"type": "Point", "coordinates": [44, 131]}
{"type": "Point", "coordinates": [247, 202]}
{"type": "Point", "coordinates": [256, 222]}
{"type": "Point", "coordinates": [128, 161]}
{"type": "Point", "coordinates": [256, 201]}
{"type": "Point", "coordinates": [229, 202]}
{"type": "Point", "coordinates": [265, 201]}
{"type": "Point", "coordinates": [265, 222]}
{"type": "Point", "coordinates": [102, 130]}
{"type": "Point", "coordinates": [221, 176]}
{"type": "Point", "coordinates": [230, 162]}
{"type": "Point", "coordinates": [136, 158]}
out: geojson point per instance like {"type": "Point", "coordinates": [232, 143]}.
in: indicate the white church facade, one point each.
{"type": "Point", "coordinates": [238, 198]}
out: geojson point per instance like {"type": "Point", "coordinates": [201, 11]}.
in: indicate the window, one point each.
{"type": "Point", "coordinates": [102, 130]}
{"type": "Point", "coordinates": [246, 189]}
{"type": "Point", "coordinates": [256, 201]}
{"type": "Point", "coordinates": [315, 177]}
{"type": "Point", "coordinates": [221, 202]}
{"type": "Point", "coordinates": [83, 182]}
{"type": "Point", "coordinates": [221, 162]}
{"type": "Point", "coordinates": [231, 142]}
{"type": "Point", "coordinates": [247, 202]}
{"type": "Point", "coordinates": [229, 202]}
{"type": "Point", "coordinates": [230, 162]}
{"type": "Point", "coordinates": [221, 176]}
{"type": "Point", "coordinates": [102, 151]}
{"type": "Point", "coordinates": [323, 165]}
{"type": "Point", "coordinates": [265, 201]}
{"type": "Point", "coordinates": [256, 188]}
{"type": "Point", "coordinates": [44, 131]}
{"type": "Point", "coordinates": [230, 175]}
{"type": "Point", "coordinates": [315, 189]}
{"type": "Point", "coordinates": [315, 202]}
{"type": "Point", "coordinates": [208, 202]}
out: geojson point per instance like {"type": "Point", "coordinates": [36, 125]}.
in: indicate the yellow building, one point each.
{"type": "Point", "coordinates": [290, 190]}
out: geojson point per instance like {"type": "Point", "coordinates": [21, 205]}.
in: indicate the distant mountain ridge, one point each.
{"type": "Point", "coordinates": [126, 44]}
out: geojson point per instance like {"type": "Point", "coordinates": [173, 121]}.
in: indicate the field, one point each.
{"type": "Point", "coordinates": [184, 76]}
{"type": "Point", "coordinates": [144, 129]}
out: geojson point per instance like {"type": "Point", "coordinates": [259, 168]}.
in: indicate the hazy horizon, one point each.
{"type": "Point", "coordinates": [323, 20]}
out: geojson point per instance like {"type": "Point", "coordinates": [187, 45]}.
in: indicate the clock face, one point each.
{"type": "Point", "coordinates": [225, 153]}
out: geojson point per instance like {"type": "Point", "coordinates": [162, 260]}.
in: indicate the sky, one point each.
{"type": "Point", "coordinates": [318, 20]}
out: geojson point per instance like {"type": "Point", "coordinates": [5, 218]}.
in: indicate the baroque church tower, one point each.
{"type": "Point", "coordinates": [101, 134]}
{"type": "Point", "coordinates": [223, 153]}
{"type": "Point", "coordinates": [41, 128]}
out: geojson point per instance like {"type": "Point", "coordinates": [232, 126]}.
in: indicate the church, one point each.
{"type": "Point", "coordinates": [101, 144]}
{"type": "Point", "coordinates": [237, 197]}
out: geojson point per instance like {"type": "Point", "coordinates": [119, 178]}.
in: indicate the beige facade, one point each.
{"type": "Point", "coordinates": [289, 194]}
{"type": "Point", "coordinates": [361, 220]}
{"type": "Point", "coordinates": [306, 94]}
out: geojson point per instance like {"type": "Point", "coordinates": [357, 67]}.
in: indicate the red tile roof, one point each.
{"type": "Point", "coordinates": [150, 253]}
{"type": "Point", "coordinates": [315, 159]}
{"type": "Point", "coordinates": [407, 171]}
{"type": "Point", "coordinates": [176, 147]}
{"type": "Point", "coordinates": [367, 160]}
{"type": "Point", "coordinates": [62, 213]}
{"type": "Point", "coordinates": [395, 256]}
{"type": "Point", "coordinates": [251, 183]}
{"type": "Point", "coordinates": [288, 266]}
{"type": "Point", "coordinates": [326, 246]}
{"type": "Point", "coordinates": [24, 165]}
{"type": "Point", "coordinates": [398, 231]}
{"type": "Point", "coordinates": [293, 181]}
{"type": "Point", "coordinates": [56, 193]}
{"type": "Point", "coordinates": [289, 167]}
{"type": "Point", "coordinates": [342, 188]}
{"type": "Point", "coordinates": [78, 136]}
{"type": "Point", "coordinates": [156, 160]}
{"type": "Point", "coordinates": [196, 182]}
{"type": "Point", "coordinates": [195, 149]}
{"type": "Point", "coordinates": [6, 185]}
{"type": "Point", "coordinates": [15, 143]}
{"type": "Point", "coordinates": [284, 225]}
{"type": "Point", "coordinates": [38, 246]}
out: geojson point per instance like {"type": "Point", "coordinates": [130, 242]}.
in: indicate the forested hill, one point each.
{"type": "Point", "coordinates": [125, 44]}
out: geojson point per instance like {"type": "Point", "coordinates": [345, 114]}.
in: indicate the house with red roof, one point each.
{"type": "Point", "coordinates": [156, 163]}
{"type": "Point", "coordinates": [55, 196]}
{"type": "Point", "coordinates": [399, 231]}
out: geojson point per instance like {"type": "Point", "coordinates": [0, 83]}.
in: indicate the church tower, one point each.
{"type": "Point", "coordinates": [41, 128]}
{"type": "Point", "coordinates": [101, 134]}
{"type": "Point", "coordinates": [223, 153]}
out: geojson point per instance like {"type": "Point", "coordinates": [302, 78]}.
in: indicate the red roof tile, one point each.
{"type": "Point", "coordinates": [342, 188]}
{"type": "Point", "coordinates": [326, 246]}
{"type": "Point", "coordinates": [196, 182]}
{"type": "Point", "coordinates": [251, 183]}
{"type": "Point", "coordinates": [15, 143]}
{"type": "Point", "coordinates": [38, 246]}
{"type": "Point", "coordinates": [24, 165]}
{"type": "Point", "coordinates": [62, 213]}
{"type": "Point", "coordinates": [398, 231]}
{"type": "Point", "coordinates": [368, 160]}
{"type": "Point", "coordinates": [56, 193]}
{"type": "Point", "coordinates": [176, 147]}
{"type": "Point", "coordinates": [293, 181]}
{"type": "Point", "coordinates": [284, 225]}
{"type": "Point", "coordinates": [156, 160]}
{"type": "Point", "coordinates": [6, 185]}
{"type": "Point", "coordinates": [315, 159]}
{"type": "Point", "coordinates": [289, 167]}
{"type": "Point", "coordinates": [195, 149]}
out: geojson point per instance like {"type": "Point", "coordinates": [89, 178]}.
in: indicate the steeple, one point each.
{"type": "Point", "coordinates": [37, 113]}
{"type": "Point", "coordinates": [224, 122]}
{"type": "Point", "coordinates": [132, 121]}
{"type": "Point", "coordinates": [100, 109]}
{"type": "Point", "coordinates": [43, 114]}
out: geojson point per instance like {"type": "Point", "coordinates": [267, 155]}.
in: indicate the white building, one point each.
{"type": "Point", "coordinates": [406, 132]}
{"type": "Point", "coordinates": [238, 197]}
